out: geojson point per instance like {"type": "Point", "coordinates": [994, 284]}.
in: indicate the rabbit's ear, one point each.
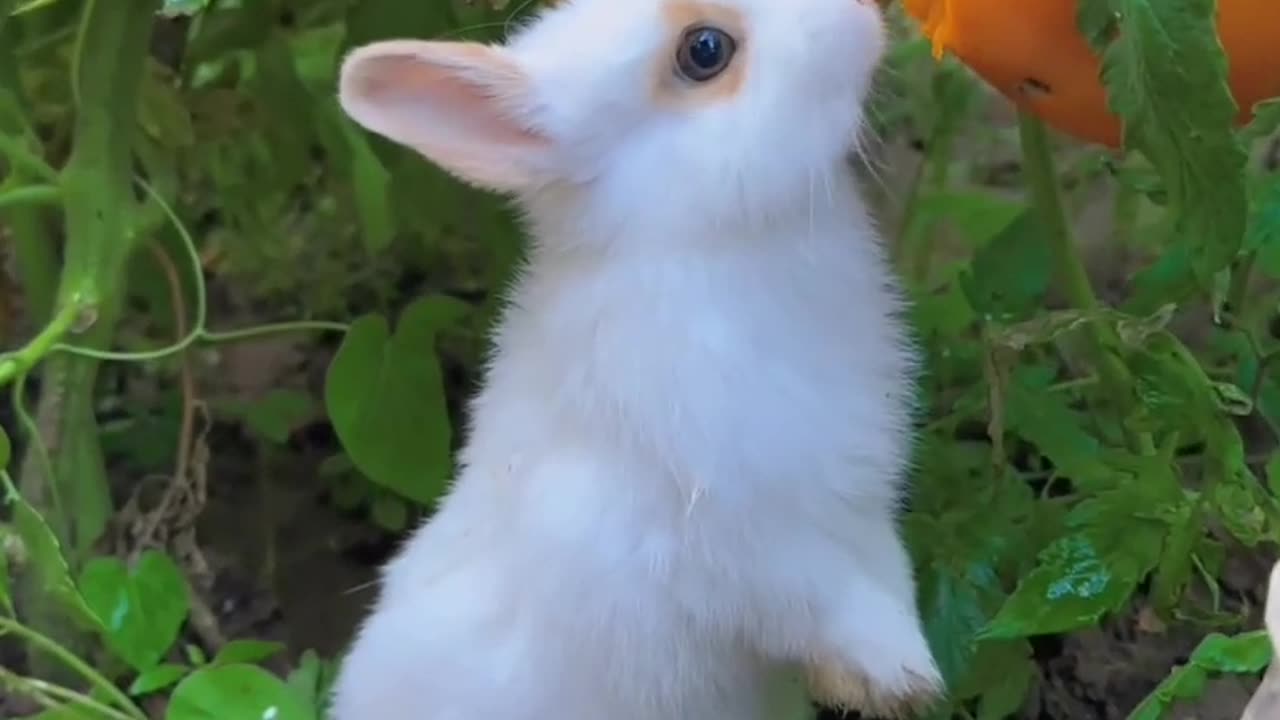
{"type": "Point", "coordinates": [465, 106]}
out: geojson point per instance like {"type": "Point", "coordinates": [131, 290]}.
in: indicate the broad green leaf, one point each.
{"type": "Point", "coordinates": [385, 397]}
{"type": "Point", "coordinates": [157, 678]}
{"type": "Point", "coordinates": [1156, 55]}
{"type": "Point", "coordinates": [246, 651]}
{"type": "Point", "coordinates": [141, 608]}
{"type": "Point", "coordinates": [228, 692]}
{"type": "Point", "coordinates": [1077, 581]}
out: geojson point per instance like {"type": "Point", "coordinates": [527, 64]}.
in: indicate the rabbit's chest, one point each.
{"type": "Point", "coordinates": [724, 368]}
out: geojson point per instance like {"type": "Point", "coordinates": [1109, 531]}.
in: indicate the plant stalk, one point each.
{"type": "Point", "coordinates": [98, 201]}
{"type": "Point", "coordinates": [1046, 197]}
{"type": "Point", "coordinates": [35, 260]}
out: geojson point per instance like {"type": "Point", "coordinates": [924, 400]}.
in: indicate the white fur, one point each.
{"type": "Point", "coordinates": [683, 472]}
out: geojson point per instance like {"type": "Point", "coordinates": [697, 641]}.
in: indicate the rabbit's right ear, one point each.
{"type": "Point", "coordinates": [465, 106]}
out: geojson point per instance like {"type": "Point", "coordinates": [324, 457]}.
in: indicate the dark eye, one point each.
{"type": "Point", "coordinates": [704, 53]}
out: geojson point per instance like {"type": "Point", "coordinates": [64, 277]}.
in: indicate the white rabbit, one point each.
{"type": "Point", "coordinates": [679, 494]}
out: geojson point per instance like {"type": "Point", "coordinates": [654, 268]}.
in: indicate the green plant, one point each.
{"type": "Point", "coordinates": [1099, 437]}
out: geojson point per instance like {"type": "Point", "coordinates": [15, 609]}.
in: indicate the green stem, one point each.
{"type": "Point", "coordinates": [20, 361]}
{"type": "Point", "coordinates": [68, 658]}
{"type": "Point", "coordinates": [1074, 278]}
{"type": "Point", "coordinates": [35, 254]}
{"type": "Point", "coordinates": [23, 159]}
{"type": "Point", "coordinates": [98, 200]}
{"type": "Point", "coordinates": [29, 195]}
{"type": "Point", "coordinates": [54, 697]}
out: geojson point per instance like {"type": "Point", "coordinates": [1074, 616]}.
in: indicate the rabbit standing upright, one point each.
{"type": "Point", "coordinates": [681, 482]}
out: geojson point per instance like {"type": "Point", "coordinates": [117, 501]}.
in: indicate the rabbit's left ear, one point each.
{"type": "Point", "coordinates": [465, 106]}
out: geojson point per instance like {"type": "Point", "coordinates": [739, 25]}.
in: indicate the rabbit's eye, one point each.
{"type": "Point", "coordinates": [704, 53]}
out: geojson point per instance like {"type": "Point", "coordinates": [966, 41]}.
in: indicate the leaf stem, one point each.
{"type": "Point", "coordinates": [49, 694]}
{"type": "Point", "coordinates": [20, 361]}
{"type": "Point", "coordinates": [30, 195]}
{"type": "Point", "coordinates": [21, 157]}
{"type": "Point", "coordinates": [69, 658]}
{"type": "Point", "coordinates": [1074, 278]}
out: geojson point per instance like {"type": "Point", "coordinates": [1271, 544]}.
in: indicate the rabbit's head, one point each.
{"type": "Point", "coordinates": [633, 110]}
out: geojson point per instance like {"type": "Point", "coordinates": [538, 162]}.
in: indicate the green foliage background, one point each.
{"type": "Point", "coordinates": [178, 179]}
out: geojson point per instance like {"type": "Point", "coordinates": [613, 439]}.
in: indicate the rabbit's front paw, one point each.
{"type": "Point", "coordinates": [845, 688]}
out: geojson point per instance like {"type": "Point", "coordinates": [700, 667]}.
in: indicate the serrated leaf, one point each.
{"type": "Point", "coordinates": [157, 678]}
{"type": "Point", "coordinates": [1156, 54]}
{"type": "Point", "coordinates": [1076, 581]}
{"type": "Point", "coordinates": [45, 558]}
{"type": "Point", "coordinates": [1043, 418]}
{"type": "Point", "coordinates": [385, 397]}
{"type": "Point", "coordinates": [234, 691]}
{"type": "Point", "coordinates": [246, 651]}
{"type": "Point", "coordinates": [1008, 277]}
{"type": "Point", "coordinates": [141, 608]}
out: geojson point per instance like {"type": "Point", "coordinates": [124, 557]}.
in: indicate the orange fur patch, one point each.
{"type": "Point", "coordinates": [671, 90]}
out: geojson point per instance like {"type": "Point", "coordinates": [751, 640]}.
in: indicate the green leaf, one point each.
{"type": "Point", "coordinates": [371, 184]}
{"type": "Point", "coordinates": [246, 651]}
{"type": "Point", "coordinates": [1079, 579]}
{"type": "Point", "coordinates": [1266, 121]}
{"type": "Point", "coordinates": [1042, 417]}
{"type": "Point", "coordinates": [311, 682]}
{"type": "Point", "coordinates": [1009, 275]}
{"type": "Point", "coordinates": [1264, 227]}
{"type": "Point", "coordinates": [389, 511]}
{"type": "Point", "coordinates": [1155, 55]}
{"type": "Point", "coordinates": [385, 397]}
{"type": "Point", "coordinates": [6, 449]}
{"type": "Point", "coordinates": [228, 692]}
{"type": "Point", "coordinates": [141, 609]}
{"type": "Point", "coordinates": [279, 413]}
{"type": "Point", "coordinates": [157, 678]}
{"type": "Point", "coordinates": [45, 558]}
{"type": "Point", "coordinates": [1243, 654]}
